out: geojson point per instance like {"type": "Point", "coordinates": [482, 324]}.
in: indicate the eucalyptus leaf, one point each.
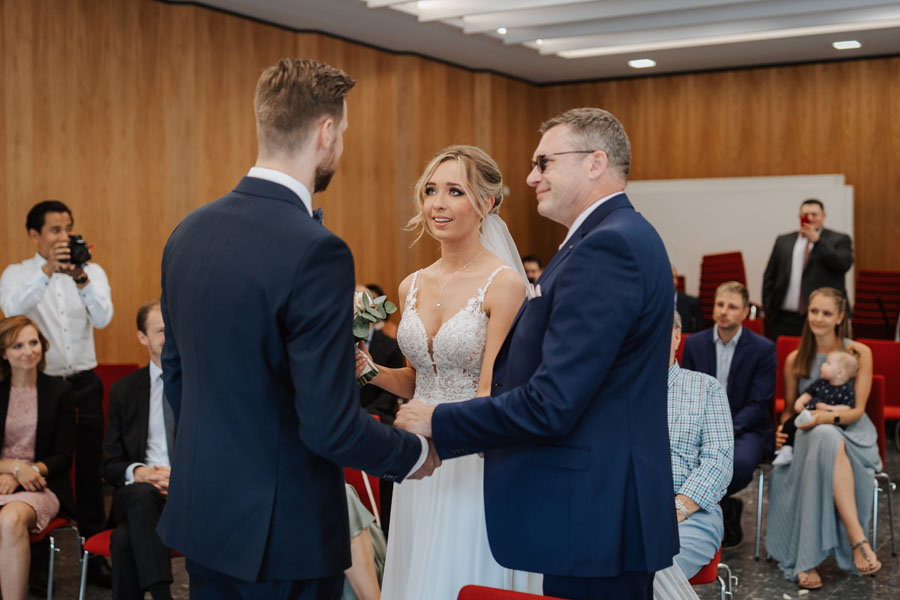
{"type": "Point", "coordinates": [380, 313]}
{"type": "Point", "coordinates": [369, 317]}
{"type": "Point", "coordinates": [372, 310]}
{"type": "Point", "coordinates": [379, 299]}
{"type": "Point", "coordinates": [360, 332]}
{"type": "Point", "coordinates": [389, 307]}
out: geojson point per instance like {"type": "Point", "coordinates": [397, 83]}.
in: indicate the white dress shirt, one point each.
{"type": "Point", "coordinates": [724, 355]}
{"type": "Point", "coordinates": [792, 296]}
{"type": "Point", "coordinates": [585, 214]}
{"type": "Point", "coordinates": [285, 180]}
{"type": "Point", "coordinates": [304, 195]}
{"type": "Point", "coordinates": [157, 454]}
{"type": "Point", "coordinates": [65, 314]}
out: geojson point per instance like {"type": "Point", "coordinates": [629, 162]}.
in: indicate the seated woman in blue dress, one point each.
{"type": "Point", "coordinates": [819, 504]}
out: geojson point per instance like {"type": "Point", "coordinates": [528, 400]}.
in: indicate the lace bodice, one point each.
{"type": "Point", "coordinates": [452, 373]}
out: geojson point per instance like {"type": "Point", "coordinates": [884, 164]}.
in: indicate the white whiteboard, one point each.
{"type": "Point", "coordinates": [706, 216]}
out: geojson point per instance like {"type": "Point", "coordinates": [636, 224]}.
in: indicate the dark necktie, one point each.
{"type": "Point", "coordinates": [801, 305]}
{"type": "Point", "coordinates": [169, 420]}
{"type": "Point", "coordinates": [317, 216]}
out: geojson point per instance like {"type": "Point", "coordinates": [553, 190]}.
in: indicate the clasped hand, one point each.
{"type": "Point", "coordinates": [26, 476]}
{"type": "Point", "coordinates": [156, 476]}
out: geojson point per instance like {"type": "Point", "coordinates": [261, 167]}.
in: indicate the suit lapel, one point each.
{"type": "Point", "coordinates": [736, 360]}
{"type": "Point", "coordinates": [142, 405]}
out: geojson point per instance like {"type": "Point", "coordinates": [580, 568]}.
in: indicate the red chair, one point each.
{"type": "Point", "coordinates": [680, 349]}
{"type": "Point", "coordinates": [367, 488]}
{"type": "Point", "coordinates": [754, 325]}
{"type": "Point", "coordinates": [875, 411]}
{"type": "Point", "coordinates": [478, 592]}
{"type": "Point", "coordinates": [710, 574]}
{"type": "Point", "coordinates": [886, 362]}
{"type": "Point", "coordinates": [716, 269]}
{"type": "Point", "coordinates": [783, 346]}
{"type": "Point", "coordinates": [109, 373]}
{"type": "Point", "coordinates": [877, 299]}
{"type": "Point", "coordinates": [99, 545]}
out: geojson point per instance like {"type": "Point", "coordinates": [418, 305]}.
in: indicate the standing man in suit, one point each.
{"type": "Point", "coordinates": [137, 456]}
{"type": "Point", "coordinates": [688, 308]}
{"type": "Point", "coordinates": [803, 261]}
{"type": "Point", "coordinates": [745, 365]}
{"type": "Point", "coordinates": [258, 364]}
{"type": "Point", "coordinates": [575, 434]}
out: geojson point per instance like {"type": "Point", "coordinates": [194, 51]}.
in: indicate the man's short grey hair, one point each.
{"type": "Point", "coordinates": [597, 129]}
{"type": "Point", "coordinates": [677, 324]}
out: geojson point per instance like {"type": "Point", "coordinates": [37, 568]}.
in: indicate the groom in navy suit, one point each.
{"type": "Point", "coordinates": [258, 364]}
{"type": "Point", "coordinates": [575, 434]}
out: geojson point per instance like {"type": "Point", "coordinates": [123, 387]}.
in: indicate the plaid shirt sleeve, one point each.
{"type": "Point", "coordinates": [706, 484]}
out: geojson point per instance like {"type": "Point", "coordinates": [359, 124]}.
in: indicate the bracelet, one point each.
{"type": "Point", "coordinates": [680, 507]}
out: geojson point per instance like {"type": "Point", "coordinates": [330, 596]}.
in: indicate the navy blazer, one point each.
{"type": "Point", "coordinates": [578, 478]}
{"type": "Point", "coordinates": [54, 442]}
{"type": "Point", "coordinates": [751, 380]}
{"type": "Point", "coordinates": [258, 367]}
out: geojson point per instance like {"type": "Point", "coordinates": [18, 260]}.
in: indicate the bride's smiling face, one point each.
{"type": "Point", "coordinates": [447, 208]}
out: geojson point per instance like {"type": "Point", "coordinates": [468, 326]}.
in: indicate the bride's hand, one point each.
{"type": "Point", "coordinates": [361, 356]}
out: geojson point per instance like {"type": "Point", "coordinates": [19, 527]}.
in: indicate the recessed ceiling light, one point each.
{"type": "Point", "coordinates": [501, 30]}
{"type": "Point", "coordinates": [642, 63]}
{"type": "Point", "coordinates": [539, 42]}
{"type": "Point", "coordinates": [847, 45]}
{"type": "Point", "coordinates": [426, 4]}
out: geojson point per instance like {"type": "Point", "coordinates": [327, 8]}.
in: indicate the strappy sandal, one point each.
{"type": "Point", "coordinates": [804, 583]}
{"type": "Point", "coordinates": [872, 569]}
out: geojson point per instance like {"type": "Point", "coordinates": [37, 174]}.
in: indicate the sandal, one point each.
{"type": "Point", "coordinates": [871, 568]}
{"type": "Point", "coordinates": [804, 583]}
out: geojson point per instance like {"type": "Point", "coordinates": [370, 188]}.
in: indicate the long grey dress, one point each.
{"type": "Point", "coordinates": [804, 527]}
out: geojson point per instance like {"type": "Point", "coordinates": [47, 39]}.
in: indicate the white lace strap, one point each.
{"type": "Point", "coordinates": [482, 291]}
{"type": "Point", "coordinates": [413, 291]}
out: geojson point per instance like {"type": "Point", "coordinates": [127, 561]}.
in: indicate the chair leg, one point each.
{"type": "Point", "coordinates": [723, 593]}
{"type": "Point", "coordinates": [759, 503]}
{"type": "Point", "coordinates": [732, 579]}
{"type": "Point", "coordinates": [875, 515]}
{"type": "Point", "coordinates": [84, 559]}
{"type": "Point", "coordinates": [53, 551]}
{"type": "Point", "coordinates": [890, 499]}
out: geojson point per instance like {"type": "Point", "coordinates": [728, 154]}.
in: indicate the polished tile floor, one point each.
{"type": "Point", "coordinates": [758, 580]}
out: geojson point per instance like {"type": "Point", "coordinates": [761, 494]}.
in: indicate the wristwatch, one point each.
{"type": "Point", "coordinates": [837, 419]}
{"type": "Point", "coordinates": [82, 279]}
{"type": "Point", "coordinates": [680, 507]}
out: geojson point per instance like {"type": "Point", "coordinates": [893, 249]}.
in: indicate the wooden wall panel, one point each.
{"type": "Point", "coordinates": [135, 112]}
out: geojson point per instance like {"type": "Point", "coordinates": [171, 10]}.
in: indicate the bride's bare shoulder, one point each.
{"type": "Point", "coordinates": [507, 285]}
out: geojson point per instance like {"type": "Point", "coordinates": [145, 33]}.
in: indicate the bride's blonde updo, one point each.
{"type": "Point", "coordinates": [480, 177]}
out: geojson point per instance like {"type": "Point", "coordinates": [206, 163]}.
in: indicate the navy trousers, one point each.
{"type": "Point", "coordinates": [208, 584]}
{"type": "Point", "coordinates": [636, 585]}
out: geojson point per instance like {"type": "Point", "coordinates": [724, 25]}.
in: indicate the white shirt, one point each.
{"type": "Point", "coordinates": [285, 180]}
{"type": "Point", "coordinates": [792, 296]}
{"type": "Point", "coordinates": [302, 191]}
{"type": "Point", "coordinates": [585, 214]}
{"type": "Point", "coordinates": [157, 454]}
{"type": "Point", "coordinates": [724, 355]}
{"type": "Point", "coordinates": [65, 314]}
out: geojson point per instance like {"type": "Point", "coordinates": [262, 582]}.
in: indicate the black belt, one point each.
{"type": "Point", "coordinates": [78, 376]}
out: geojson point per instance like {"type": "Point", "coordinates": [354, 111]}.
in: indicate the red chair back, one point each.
{"type": "Point", "coordinates": [110, 373]}
{"type": "Point", "coordinates": [783, 346]}
{"type": "Point", "coordinates": [680, 349]}
{"type": "Point", "coordinates": [716, 269]}
{"type": "Point", "coordinates": [709, 573]}
{"type": "Point", "coordinates": [868, 319]}
{"type": "Point", "coordinates": [478, 592]}
{"type": "Point", "coordinates": [875, 410]}
{"type": "Point", "coordinates": [355, 478]}
{"type": "Point", "coordinates": [754, 325]}
{"type": "Point", "coordinates": [886, 362]}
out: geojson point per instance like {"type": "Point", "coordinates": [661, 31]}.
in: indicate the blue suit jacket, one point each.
{"type": "Point", "coordinates": [258, 366]}
{"type": "Point", "coordinates": [751, 380]}
{"type": "Point", "coordinates": [578, 478]}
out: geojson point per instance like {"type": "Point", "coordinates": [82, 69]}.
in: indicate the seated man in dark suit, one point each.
{"type": "Point", "coordinates": [688, 308]}
{"type": "Point", "coordinates": [137, 450]}
{"type": "Point", "coordinates": [745, 365]}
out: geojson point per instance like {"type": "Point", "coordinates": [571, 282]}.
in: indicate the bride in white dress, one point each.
{"type": "Point", "coordinates": [456, 314]}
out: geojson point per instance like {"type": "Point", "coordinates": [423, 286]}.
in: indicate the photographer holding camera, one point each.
{"type": "Point", "coordinates": [68, 297]}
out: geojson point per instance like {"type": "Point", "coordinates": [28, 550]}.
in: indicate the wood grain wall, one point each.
{"type": "Point", "coordinates": [135, 112]}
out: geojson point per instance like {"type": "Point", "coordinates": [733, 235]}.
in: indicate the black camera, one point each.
{"type": "Point", "coordinates": [79, 254]}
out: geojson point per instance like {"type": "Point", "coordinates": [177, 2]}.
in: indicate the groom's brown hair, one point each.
{"type": "Point", "coordinates": [292, 96]}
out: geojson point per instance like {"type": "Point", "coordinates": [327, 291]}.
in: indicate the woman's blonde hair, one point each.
{"type": "Point", "coordinates": [479, 175]}
{"type": "Point", "coordinates": [806, 353]}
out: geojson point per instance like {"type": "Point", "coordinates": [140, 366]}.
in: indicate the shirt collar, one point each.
{"type": "Point", "coordinates": [155, 372]}
{"type": "Point", "coordinates": [287, 181]}
{"type": "Point", "coordinates": [674, 370]}
{"type": "Point", "coordinates": [585, 214]}
{"type": "Point", "coordinates": [733, 341]}
{"type": "Point", "coordinates": [39, 260]}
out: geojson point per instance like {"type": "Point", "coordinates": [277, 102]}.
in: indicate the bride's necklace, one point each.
{"type": "Point", "coordinates": [452, 275]}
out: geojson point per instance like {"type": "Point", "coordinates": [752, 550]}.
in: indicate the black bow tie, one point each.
{"type": "Point", "coordinates": [317, 216]}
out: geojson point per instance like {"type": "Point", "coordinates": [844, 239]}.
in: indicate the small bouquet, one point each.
{"type": "Point", "coordinates": [366, 312]}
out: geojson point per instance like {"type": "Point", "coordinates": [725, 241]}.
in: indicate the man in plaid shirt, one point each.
{"type": "Point", "coordinates": [702, 442]}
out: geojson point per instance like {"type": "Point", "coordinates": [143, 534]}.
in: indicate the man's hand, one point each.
{"type": "Point", "coordinates": [58, 261]}
{"type": "Point", "coordinates": [415, 417]}
{"type": "Point", "coordinates": [8, 483]}
{"type": "Point", "coordinates": [432, 462]}
{"type": "Point", "coordinates": [809, 232]}
{"type": "Point", "coordinates": [156, 476]}
{"type": "Point", "coordinates": [30, 479]}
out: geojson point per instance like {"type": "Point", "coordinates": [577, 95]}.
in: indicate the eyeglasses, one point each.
{"type": "Point", "coordinates": [542, 159]}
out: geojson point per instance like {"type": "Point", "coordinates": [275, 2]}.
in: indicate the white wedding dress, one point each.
{"type": "Point", "coordinates": [438, 541]}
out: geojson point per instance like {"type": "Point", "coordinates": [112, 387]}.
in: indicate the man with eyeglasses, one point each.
{"type": "Point", "coordinates": [575, 434]}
